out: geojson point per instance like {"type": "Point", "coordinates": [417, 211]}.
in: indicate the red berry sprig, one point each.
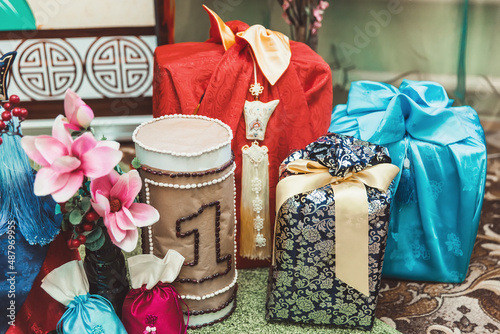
{"type": "Point", "coordinates": [88, 226]}
{"type": "Point", "coordinates": [79, 238]}
{"type": "Point", "coordinates": [14, 99]}
{"type": "Point", "coordinates": [11, 110]}
{"type": "Point", "coordinates": [91, 216]}
{"type": "Point", "coordinates": [73, 243]}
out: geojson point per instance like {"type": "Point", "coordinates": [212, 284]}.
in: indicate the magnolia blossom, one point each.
{"type": "Point", "coordinates": [78, 114]}
{"type": "Point", "coordinates": [113, 198]}
{"type": "Point", "coordinates": [65, 161]}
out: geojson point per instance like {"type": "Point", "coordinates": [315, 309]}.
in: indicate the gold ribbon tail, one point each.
{"type": "Point", "coordinates": [271, 48]}
{"type": "Point", "coordinates": [219, 30]}
{"type": "Point", "coordinates": [351, 234]}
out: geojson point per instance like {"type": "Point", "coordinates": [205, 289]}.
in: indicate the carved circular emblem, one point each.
{"type": "Point", "coordinates": [47, 68]}
{"type": "Point", "coordinates": [120, 66]}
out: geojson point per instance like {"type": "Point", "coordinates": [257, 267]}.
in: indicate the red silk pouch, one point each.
{"type": "Point", "coordinates": [153, 306]}
{"type": "Point", "coordinates": [220, 71]}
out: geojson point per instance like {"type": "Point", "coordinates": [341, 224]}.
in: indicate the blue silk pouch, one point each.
{"type": "Point", "coordinates": [90, 314]}
{"type": "Point", "coordinates": [85, 313]}
{"type": "Point", "coordinates": [441, 152]}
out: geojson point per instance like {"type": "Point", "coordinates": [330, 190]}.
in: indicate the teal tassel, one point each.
{"type": "Point", "coordinates": [35, 216]}
{"type": "Point", "coordinates": [407, 191]}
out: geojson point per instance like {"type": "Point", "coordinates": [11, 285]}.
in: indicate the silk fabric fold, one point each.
{"type": "Point", "coordinates": [320, 237]}
{"type": "Point", "coordinates": [271, 48]}
{"type": "Point", "coordinates": [158, 307]}
{"type": "Point", "coordinates": [29, 316]}
{"type": "Point", "coordinates": [351, 206]}
{"type": "Point", "coordinates": [430, 238]}
{"type": "Point", "coordinates": [186, 72]}
{"type": "Point", "coordinates": [85, 313]}
{"type": "Point", "coordinates": [153, 302]}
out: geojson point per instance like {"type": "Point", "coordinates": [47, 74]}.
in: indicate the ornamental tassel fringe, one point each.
{"type": "Point", "coordinates": [255, 236]}
{"type": "Point", "coordinates": [35, 216]}
{"type": "Point", "coordinates": [407, 190]}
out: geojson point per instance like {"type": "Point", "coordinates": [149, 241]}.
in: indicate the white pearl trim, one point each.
{"type": "Point", "coordinates": [183, 154]}
{"type": "Point", "coordinates": [216, 293]}
{"type": "Point", "coordinates": [150, 239]}
{"type": "Point", "coordinates": [235, 223]}
{"type": "Point", "coordinates": [186, 186]}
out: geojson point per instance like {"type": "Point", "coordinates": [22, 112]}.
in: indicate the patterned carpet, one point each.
{"type": "Point", "coordinates": [471, 307]}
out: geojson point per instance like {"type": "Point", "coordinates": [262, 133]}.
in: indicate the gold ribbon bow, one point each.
{"type": "Point", "coordinates": [351, 211]}
{"type": "Point", "coordinates": [271, 48]}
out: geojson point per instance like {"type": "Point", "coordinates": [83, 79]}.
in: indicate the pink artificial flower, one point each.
{"type": "Point", "coordinates": [314, 27]}
{"type": "Point", "coordinates": [113, 199]}
{"type": "Point", "coordinates": [65, 162]}
{"type": "Point", "coordinates": [323, 4]}
{"type": "Point", "coordinates": [318, 14]}
{"type": "Point", "coordinates": [78, 114]}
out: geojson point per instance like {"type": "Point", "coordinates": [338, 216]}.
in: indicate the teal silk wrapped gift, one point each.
{"type": "Point", "coordinates": [441, 152]}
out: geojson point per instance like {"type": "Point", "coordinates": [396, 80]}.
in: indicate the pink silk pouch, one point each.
{"type": "Point", "coordinates": [153, 306]}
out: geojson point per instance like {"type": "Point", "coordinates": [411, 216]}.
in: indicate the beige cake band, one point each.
{"type": "Point", "coordinates": [183, 143]}
{"type": "Point", "coordinates": [187, 169]}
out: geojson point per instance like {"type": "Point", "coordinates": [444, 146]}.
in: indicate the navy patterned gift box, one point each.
{"type": "Point", "coordinates": [331, 232]}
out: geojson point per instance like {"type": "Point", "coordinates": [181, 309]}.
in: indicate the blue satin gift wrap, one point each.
{"type": "Point", "coordinates": [441, 152]}
{"type": "Point", "coordinates": [90, 314]}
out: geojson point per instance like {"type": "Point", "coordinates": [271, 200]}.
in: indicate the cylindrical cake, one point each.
{"type": "Point", "coordinates": [187, 169]}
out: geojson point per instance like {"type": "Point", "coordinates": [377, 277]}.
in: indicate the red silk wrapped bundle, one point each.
{"type": "Point", "coordinates": [31, 318]}
{"type": "Point", "coordinates": [186, 72]}
{"type": "Point", "coordinates": [153, 306]}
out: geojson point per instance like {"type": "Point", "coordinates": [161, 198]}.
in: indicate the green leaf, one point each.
{"type": "Point", "coordinates": [69, 206]}
{"type": "Point", "coordinates": [93, 246]}
{"type": "Point", "coordinates": [35, 166]}
{"type": "Point", "coordinates": [65, 226]}
{"type": "Point", "coordinates": [94, 235]}
{"type": "Point", "coordinates": [75, 217]}
{"type": "Point", "coordinates": [103, 138]}
{"type": "Point", "coordinates": [86, 204]}
{"type": "Point", "coordinates": [136, 163]}
{"type": "Point", "coordinates": [119, 170]}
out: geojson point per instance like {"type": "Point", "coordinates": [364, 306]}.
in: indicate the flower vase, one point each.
{"type": "Point", "coordinates": [107, 273]}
